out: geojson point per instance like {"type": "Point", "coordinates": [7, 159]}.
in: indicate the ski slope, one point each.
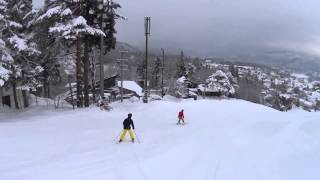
{"type": "Point", "coordinates": [223, 140]}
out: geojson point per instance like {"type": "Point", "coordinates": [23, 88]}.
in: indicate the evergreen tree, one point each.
{"type": "Point", "coordinates": [140, 73]}
{"type": "Point", "coordinates": [6, 60]}
{"type": "Point", "coordinates": [41, 22]}
{"type": "Point", "coordinates": [66, 27]}
{"type": "Point", "coordinates": [234, 70]}
{"type": "Point", "coordinates": [16, 47]}
{"type": "Point", "coordinates": [181, 89]}
{"type": "Point", "coordinates": [102, 15]}
{"type": "Point", "coordinates": [181, 67]}
{"type": "Point", "coordinates": [156, 73]}
{"type": "Point", "coordinates": [220, 83]}
{"type": "Point", "coordinates": [191, 69]}
{"type": "Point", "coordinates": [81, 24]}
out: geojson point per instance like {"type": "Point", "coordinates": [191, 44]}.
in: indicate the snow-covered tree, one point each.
{"type": "Point", "coordinates": [234, 70]}
{"type": "Point", "coordinates": [6, 59]}
{"type": "Point", "coordinates": [61, 22]}
{"type": "Point", "coordinates": [101, 15]}
{"type": "Point", "coordinates": [51, 26]}
{"type": "Point", "coordinates": [219, 82]}
{"type": "Point", "coordinates": [81, 24]}
{"type": "Point", "coordinates": [15, 45]}
{"type": "Point", "coordinates": [190, 70]}
{"type": "Point", "coordinates": [140, 73]}
{"type": "Point", "coordinates": [181, 87]}
{"type": "Point", "coordinates": [181, 67]}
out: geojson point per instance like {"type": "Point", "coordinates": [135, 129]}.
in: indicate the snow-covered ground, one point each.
{"type": "Point", "coordinates": [223, 140]}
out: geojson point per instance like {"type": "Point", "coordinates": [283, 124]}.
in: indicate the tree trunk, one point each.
{"type": "Point", "coordinates": [44, 89]}
{"type": "Point", "coordinates": [48, 89]}
{"type": "Point", "coordinates": [86, 64]}
{"type": "Point", "coordinates": [101, 68]}
{"type": "Point", "coordinates": [79, 75]}
{"type": "Point", "coordinates": [25, 99]}
{"type": "Point", "coordinates": [15, 97]}
{"type": "Point", "coordinates": [71, 93]}
{"type": "Point", "coordinates": [93, 78]}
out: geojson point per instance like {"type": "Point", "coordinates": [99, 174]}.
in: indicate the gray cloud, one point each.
{"type": "Point", "coordinates": [222, 27]}
{"type": "Point", "coordinates": [208, 27]}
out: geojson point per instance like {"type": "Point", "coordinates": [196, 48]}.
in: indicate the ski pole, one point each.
{"type": "Point", "coordinates": [117, 136]}
{"type": "Point", "coordinates": [136, 136]}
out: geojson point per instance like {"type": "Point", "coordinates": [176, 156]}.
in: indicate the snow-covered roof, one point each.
{"type": "Point", "coordinates": [286, 96]}
{"type": "Point", "coordinates": [299, 76]}
{"type": "Point", "coordinates": [305, 102]}
{"type": "Point", "coordinates": [131, 85]}
{"type": "Point", "coordinates": [72, 84]}
{"type": "Point", "coordinates": [203, 88]}
{"type": "Point", "coordinates": [182, 79]}
{"type": "Point", "coordinates": [246, 67]}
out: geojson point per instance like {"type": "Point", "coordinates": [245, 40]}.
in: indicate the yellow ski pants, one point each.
{"type": "Point", "coordinates": [124, 132]}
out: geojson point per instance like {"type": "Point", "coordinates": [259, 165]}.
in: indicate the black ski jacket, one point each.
{"type": "Point", "coordinates": [127, 123]}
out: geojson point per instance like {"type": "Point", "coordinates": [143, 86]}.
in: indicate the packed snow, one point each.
{"type": "Point", "coordinates": [223, 139]}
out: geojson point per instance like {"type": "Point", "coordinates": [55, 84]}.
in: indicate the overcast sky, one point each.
{"type": "Point", "coordinates": [215, 27]}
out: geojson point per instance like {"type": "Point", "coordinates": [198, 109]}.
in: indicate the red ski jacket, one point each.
{"type": "Point", "coordinates": [181, 115]}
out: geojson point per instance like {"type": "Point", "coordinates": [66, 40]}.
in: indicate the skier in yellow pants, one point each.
{"type": "Point", "coordinates": [127, 123]}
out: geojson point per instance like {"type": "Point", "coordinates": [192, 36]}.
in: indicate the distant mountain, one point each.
{"type": "Point", "coordinates": [126, 46]}
{"type": "Point", "coordinates": [285, 59]}
{"type": "Point", "coordinates": [292, 60]}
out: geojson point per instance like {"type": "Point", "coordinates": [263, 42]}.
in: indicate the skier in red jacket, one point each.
{"type": "Point", "coordinates": [181, 117]}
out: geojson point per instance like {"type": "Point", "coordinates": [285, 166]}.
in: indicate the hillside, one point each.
{"type": "Point", "coordinates": [224, 139]}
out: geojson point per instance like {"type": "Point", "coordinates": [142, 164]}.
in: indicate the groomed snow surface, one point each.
{"type": "Point", "coordinates": [223, 140]}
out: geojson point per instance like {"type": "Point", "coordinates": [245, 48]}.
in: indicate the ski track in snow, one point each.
{"type": "Point", "coordinates": [222, 140]}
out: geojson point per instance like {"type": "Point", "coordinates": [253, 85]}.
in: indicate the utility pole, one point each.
{"type": "Point", "coordinates": [162, 90]}
{"type": "Point", "coordinates": [101, 68]}
{"type": "Point", "coordinates": [123, 67]}
{"type": "Point", "coordinates": [147, 21]}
